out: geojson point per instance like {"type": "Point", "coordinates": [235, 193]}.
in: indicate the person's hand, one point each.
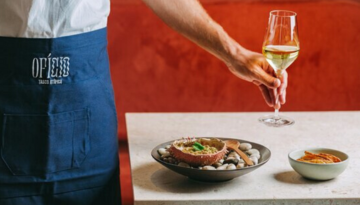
{"type": "Point", "coordinates": [253, 67]}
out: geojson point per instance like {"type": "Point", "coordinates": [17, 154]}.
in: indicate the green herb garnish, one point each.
{"type": "Point", "coordinates": [198, 147]}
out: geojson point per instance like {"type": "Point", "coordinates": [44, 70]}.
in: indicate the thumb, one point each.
{"type": "Point", "coordinates": [266, 79]}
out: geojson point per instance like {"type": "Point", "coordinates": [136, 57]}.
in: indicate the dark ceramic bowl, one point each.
{"type": "Point", "coordinates": [214, 175]}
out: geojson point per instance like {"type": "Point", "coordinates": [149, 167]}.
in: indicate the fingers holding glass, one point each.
{"type": "Point", "coordinates": [282, 88]}
{"type": "Point", "coordinates": [266, 94]}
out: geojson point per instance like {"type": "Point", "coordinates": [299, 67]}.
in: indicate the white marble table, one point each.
{"type": "Point", "coordinates": [273, 183]}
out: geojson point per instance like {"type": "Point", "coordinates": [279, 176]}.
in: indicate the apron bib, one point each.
{"type": "Point", "coordinates": [58, 125]}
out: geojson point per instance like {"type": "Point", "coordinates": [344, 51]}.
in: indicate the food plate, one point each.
{"type": "Point", "coordinates": [213, 175]}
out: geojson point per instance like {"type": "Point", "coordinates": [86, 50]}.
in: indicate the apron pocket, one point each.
{"type": "Point", "coordinates": [41, 144]}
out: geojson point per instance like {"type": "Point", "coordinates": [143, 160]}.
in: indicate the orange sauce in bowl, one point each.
{"type": "Point", "coordinates": [321, 158]}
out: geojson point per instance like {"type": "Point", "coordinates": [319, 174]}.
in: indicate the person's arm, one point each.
{"type": "Point", "coordinates": [190, 19]}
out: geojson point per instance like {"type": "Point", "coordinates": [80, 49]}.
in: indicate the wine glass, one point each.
{"type": "Point", "coordinates": [280, 48]}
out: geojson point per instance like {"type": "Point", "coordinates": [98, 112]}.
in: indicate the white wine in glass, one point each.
{"type": "Point", "coordinates": [281, 48]}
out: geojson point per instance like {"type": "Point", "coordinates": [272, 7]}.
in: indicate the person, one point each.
{"type": "Point", "coordinates": [59, 125]}
{"type": "Point", "coordinates": [189, 18]}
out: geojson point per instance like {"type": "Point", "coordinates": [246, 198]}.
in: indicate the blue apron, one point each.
{"type": "Point", "coordinates": [58, 125]}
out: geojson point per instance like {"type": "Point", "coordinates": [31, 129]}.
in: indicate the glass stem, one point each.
{"type": "Point", "coordinates": [276, 114]}
{"type": "Point", "coordinates": [276, 95]}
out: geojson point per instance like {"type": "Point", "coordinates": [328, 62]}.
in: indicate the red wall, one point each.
{"type": "Point", "coordinates": [154, 69]}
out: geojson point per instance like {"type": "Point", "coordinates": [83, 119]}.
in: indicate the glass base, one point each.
{"type": "Point", "coordinates": [276, 121]}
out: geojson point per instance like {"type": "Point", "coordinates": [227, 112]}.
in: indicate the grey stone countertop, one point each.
{"type": "Point", "coordinates": [274, 183]}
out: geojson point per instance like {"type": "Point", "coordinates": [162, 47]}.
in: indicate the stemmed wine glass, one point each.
{"type": "Point", "coordinates": [281, 47]}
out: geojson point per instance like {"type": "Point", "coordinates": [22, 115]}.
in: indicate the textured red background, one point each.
{"type": "Point", "coordinates": [154, 69]}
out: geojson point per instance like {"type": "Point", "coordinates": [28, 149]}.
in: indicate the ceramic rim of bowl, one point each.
{"type": "Point", "coordinates": [318, 148]}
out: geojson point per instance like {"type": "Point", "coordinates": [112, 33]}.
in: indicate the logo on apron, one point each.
{"type": "Point", "coordinates": [50, 70]}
